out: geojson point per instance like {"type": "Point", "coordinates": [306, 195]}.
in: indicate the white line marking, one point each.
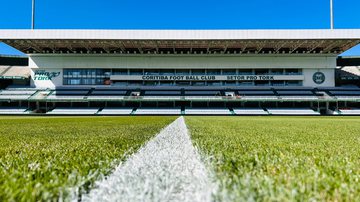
{"type": "Point", "coordinates": [167, 168]}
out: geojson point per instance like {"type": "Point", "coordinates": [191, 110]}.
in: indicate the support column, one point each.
{"type": "Point", "coordinates": [337, 106]}
{"type": "Point", "coordinates": [318, 107]}
{"type": "Point", "coordinates": [327, 107]}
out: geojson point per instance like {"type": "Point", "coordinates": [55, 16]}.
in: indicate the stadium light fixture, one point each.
{"type": "Point", "coordinates": [331, 14]}
{"type": "Point", "coordinates": [33, 15]}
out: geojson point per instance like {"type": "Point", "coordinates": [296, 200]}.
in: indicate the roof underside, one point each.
{"type": "Point", "coordinates": [181, 41]}
{"type": "Point", "coordinates": [14, 72]}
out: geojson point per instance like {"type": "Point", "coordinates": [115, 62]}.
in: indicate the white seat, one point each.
{"type": "Point", "coordinates": [292, 111]}
{"type": "Point", "coordinates": [73, 111]}
{"type": "Point", "coordinates": [13, 110]}
{"type": "Point", "coordinates": [14, 97]}
{"type": "Point", "coordinates": [299, 97]}
{"type": "Point", "coordinates": [158, 111]}
{"type": "Point", "coordinates": [65, 97]}
{"type": "Point", "coordinates": [203, 97]}
{"type": "Point", "coordinates": [250, 111]}
{"type": "Point", "coordinates": [249, 97]}
{"type": "Point", "coordinates": [116, 111]}
{"type": "Point", "coordinates": [161, 97]}
{"type": "Point", "coordinates": [207, 111]}
{"type": "Point", "coordinates": [17, 92]}
{"type": "Point", "coordinates": [105, 97]}
{"type": "Point", "coordinates": [354, 111]}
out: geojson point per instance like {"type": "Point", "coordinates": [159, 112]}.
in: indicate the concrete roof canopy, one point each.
{"type": "Point", "coordinates": [229, 42]}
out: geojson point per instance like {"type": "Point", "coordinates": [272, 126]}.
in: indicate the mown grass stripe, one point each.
{"type": "Point", "coordinates": [281, 158]}
{"type": "Point", "coordinates": [167, 168]}
{"type": "Point", "coordinates": [42, 158]}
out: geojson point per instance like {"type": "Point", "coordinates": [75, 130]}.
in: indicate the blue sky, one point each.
{"type": "Point", "coordinates": [179, 14]}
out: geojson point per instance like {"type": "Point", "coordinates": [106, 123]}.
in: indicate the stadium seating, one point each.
{"type": "Point", "coordinates": [158, 111]}
{"type": "Point", "coordinates": [297, 95]}
{"type": "Point", "coordinates": [115, 111]}
{"type": "Point", "coordinates": [249, 111]}
{"type": "Point", "coordinates": [350, 111]}
{"type": "Point", "coordinates": [344, 93]}
{"type": "Point", "coordinates": [264, 97]}
{"type": "Point", "coordinates": [257, 94]}
{"type": "Point", "coordinates": [16, 94]}
{"type": "Point", "coordinates": [68, 94]}
{"type": "Point", "coordinates": [292, 111]}
{"type": "Point", "coordinates": [203, 95]}
{"type": "Point", "coordinates": [105, 97]}
{"type": "Point", "coordinates": [333, 112]}
{"type": "Point", "coordinates": [111, 94]}
{"type": "Point", "coordinates": [162, 95]}
{"type": "Point", "coordinates": [73, 111]}
{"type": "Point", "coordinates": [253, 95]}
{"type": "Point", "coordinates": [207, 111]}
{"type": "Point", "coordinates": [161, 98]}
{"type": "Point", "coordinates": [13, 110]}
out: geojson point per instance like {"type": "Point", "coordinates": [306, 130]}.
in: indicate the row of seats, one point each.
{"type": "Point", "coordinates": [67, 93]}
{"type": "Point", "coordinates": [13, 110]}
{"type": "Point", "coordinates": [292, 111]}
{"type": "Point", "coordinates": [207, 111]}
{"type": "Point", "coordinates": [139, 111]}
{"type": "Point", "coordinates": [16, 94]}
{"type": "Point", "coordinates": [250, 111]}
{"type": "Point", "coordinates": [116, 111]}
{"type": "Point", "coordinates": [158, 111]}
{"type": "Point", "coordinates": [188, 111]}
{"type": "Point", "coordinates": [352, 111]}
{"type": "Point", "coordinates": [177, 111]}
{"type": "Point", "coordinates": [73, 111]}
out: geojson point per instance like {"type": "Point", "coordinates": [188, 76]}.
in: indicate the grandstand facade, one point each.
{"type": "Point", "coordinates": [181, 71]}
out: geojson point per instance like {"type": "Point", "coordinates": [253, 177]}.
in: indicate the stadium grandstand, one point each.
{"type": "Point", "coordinates": [174, 72]}
{"type": "Point", "coordinates": [14, 71]}
{"type": "Point", "coordinates": [348, 71]}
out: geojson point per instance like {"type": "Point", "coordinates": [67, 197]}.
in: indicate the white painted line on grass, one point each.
{"type": "Point", "coordinates": [167, 168]}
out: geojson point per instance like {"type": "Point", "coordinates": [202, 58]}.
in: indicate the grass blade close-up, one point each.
{"type": "Point", "coordinates": [46, 158]}
{"type": "Point", "coordinates": [281, 158]}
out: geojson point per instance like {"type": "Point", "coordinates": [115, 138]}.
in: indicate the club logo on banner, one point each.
{"type": "Point", "coordinates": [319, 77]}
{"type": "Point", "coordinates": [42, 75]}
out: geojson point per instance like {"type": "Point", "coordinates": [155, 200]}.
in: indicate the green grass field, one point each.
{"type": "Point", "coordinates": [253, 158]}
{"type": "Point", "coordinates": [282, 158]}
{"type": "Point", "coordinates": [42, 157]}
